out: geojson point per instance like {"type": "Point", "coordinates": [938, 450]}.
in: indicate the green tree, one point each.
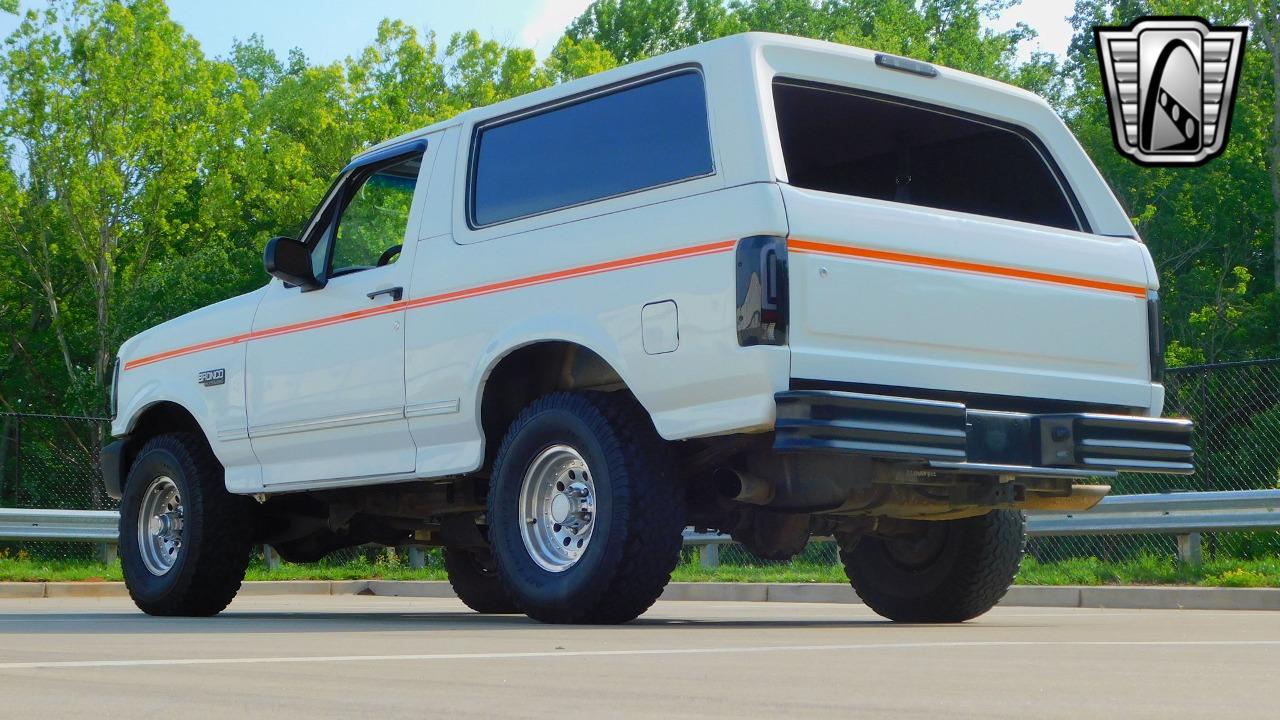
{"type": "Point", "coordinates": [571, 59]}
{"type": "Point", "coordinates": [1265, 17]}
{"type": "Point", "coordinates": [635, 29]}
{"type": "Point", "coordinates": [109, 109]}
{"type": "Point", "coordinates": [949, 32]}
{"type": "Point", "coordinates": [140, 180]}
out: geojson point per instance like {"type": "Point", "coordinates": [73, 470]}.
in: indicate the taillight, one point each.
{"type": "Point", "coordinates": [115, 389]}
{"type": "Point", "coordinates": [1155, 338]}
{"type": "Point", "coordinates": [762, 290]}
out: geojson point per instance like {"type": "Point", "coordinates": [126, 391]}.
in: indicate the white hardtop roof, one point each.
{"type": "Point", "coordinates": [706, 54]}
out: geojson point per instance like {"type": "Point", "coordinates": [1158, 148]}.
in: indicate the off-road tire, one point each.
{"type": "Point", "coordinates": [640, 510]}
{"type": "Point", "coordinates": [477, 586]}
{"type": "Point", "coordinates": [968, 566]}
{"type": "Point", "coordinates": [217, 531]}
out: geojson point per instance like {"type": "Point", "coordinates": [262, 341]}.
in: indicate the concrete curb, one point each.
{"type": "Point", "coordinates": [1071, 596]}
{"type": "Point", "coordinates": [410, 588]}
{"type": "Point", "coordinates": [85, 589]}
{"type": "Point", "coordinates": [717, 592]}
{"type": "Point", "coordinates": [21, 590]}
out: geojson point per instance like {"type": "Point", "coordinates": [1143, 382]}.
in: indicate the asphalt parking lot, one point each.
{"type": "Point", "coordinates": [365, 656]}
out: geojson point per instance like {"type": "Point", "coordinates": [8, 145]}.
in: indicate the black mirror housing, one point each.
{"type": "Point", "coordinates": [290, 261]}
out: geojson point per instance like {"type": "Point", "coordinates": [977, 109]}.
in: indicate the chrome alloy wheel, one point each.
{"type": "Point", "coordinates": [558, 504]}
{"type": "Point", "coordinates": [160, 525]}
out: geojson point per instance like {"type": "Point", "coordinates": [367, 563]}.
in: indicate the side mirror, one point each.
{"type": "Point", "coordinates": [290, 261]}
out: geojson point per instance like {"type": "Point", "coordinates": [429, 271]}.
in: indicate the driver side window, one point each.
{"type": "Point", "coordinates": [373, 222]}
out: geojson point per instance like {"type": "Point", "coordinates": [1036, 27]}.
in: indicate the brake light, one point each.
{"type": "Point", "coordinates": [1155, 338]}
{"type": "Point", "coordinates": [762, 290]}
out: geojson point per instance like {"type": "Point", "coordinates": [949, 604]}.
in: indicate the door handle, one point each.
{"type": "Point", "coordinates": [395, 292]}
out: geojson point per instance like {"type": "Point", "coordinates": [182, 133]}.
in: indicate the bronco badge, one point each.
{"type": "Point", "coordinates": [209, 378]}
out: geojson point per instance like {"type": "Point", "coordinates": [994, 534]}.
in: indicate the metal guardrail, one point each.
{"type": "Point", "coordinates": [1166, 513]}
{"type": "Point", "coordinates": [68, 525]}
{"type": "Point", "coordinates": [1185, 515]}
{"type": "Point", "coordinates": [96, 526]}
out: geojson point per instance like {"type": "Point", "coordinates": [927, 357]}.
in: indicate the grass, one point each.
{"type": "Point", "coordinates": [1143, 570]}
{"type": "Point", "coordinates": [28, 570]}
{"type": "Point", "coordinates": [1153, 570]}
{"type": "Point", "coordinates": [795, 572]}
{"type": "Point", "coordinates": [354, 570]}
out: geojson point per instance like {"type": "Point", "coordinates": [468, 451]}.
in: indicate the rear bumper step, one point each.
{"type": "Point", "coordinates": [953, 438]}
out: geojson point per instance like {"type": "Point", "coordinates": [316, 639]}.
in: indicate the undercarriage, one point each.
{"type": "Point", "coordinates": [842, 464]}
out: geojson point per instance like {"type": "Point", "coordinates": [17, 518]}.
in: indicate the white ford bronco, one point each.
{"type": "Point", "coordinates": [774, 287]}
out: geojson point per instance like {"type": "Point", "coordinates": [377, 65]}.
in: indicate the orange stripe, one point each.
{"type": "Point", "coordinates": [541, 279]}
{"type": "Point", "coordinates": [809, 246]}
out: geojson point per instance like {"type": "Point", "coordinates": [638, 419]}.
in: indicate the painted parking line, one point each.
{"type": "Point", "coordinates": [177, 662]}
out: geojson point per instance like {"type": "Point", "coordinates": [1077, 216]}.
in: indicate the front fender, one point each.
{"type": "Point", "coordinates": [152, 392]}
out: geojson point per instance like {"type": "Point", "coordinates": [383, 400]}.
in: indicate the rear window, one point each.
{"type": "Point", "coordinates": [638, 137]}
{"type": "Point", "coordinates": [841, 141]}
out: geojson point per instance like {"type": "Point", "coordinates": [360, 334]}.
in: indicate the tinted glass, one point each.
{"type": "Point", "coordinates": [635, 138]}
{"type": "Point", "coordinates": [376, 216]}
{"type": "Point", "coordinates": [841, 142]}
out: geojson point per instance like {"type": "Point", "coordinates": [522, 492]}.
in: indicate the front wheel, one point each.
{"type": "Point", "coordinates": [585, 512]}
{"type": "Point", "coordinates": [941, 571]}
{"type": "Point", "coordinates": [184, 540]}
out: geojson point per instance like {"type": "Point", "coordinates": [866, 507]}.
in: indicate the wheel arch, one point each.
{"type": "Point", "coordinates": [163, 416]}
{"type": "Point", "coordinates": [532, 369]}
{"type": "Point", "coordinates": [157, 418]}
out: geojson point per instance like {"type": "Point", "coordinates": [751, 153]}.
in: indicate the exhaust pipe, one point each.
{"type": "Point", "coordinates": [741, 487]}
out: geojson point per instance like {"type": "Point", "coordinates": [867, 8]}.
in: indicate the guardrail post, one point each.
{"type": "Point", "coordinates": [417, 557]}
{"type": "Point", "coordinates": [107, 553]}
{"type": "Point", "coordinates": [270, 557]}
{"type": "Point", "coordinates": [1189, 549]}
{"type": "Point", "coordinates": [709, 556]}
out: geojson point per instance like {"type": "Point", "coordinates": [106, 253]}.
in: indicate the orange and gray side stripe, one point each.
{"type": "Point", "coordinates": [819, 248]}
{"type": "Point", "coordinates": [488, 289]}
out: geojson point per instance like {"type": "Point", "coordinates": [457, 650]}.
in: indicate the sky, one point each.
{"type": "Point", "coordinates": [329, 30]}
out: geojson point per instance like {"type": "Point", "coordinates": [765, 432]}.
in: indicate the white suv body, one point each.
{"type": "Point", "coordinates": [320, 391]}
{"type": "Point", "coordinates": [603, 226]}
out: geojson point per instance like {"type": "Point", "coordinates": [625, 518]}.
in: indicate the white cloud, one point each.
{"type": "Point", "coordinates": [547, 23]}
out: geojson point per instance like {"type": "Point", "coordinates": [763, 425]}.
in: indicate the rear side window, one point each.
{"type": "Point", "coordinates": [630, 139]}
{"type": "Point", "coordinates": [837, 140]}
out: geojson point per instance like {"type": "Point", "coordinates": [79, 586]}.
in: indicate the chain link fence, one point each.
{"type": "Point", "coordinates": [51, 461]}
{"type": "Point", "coordinates": [1236, 407]}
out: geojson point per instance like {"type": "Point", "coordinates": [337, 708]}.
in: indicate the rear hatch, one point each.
{"type": "Point", "coordinates": [935, 249]}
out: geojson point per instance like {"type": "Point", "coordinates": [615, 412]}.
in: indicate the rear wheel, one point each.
{"type": "Point", "coordinates": [585, 511]}
{"type": "Point", "coordinates": [939, 571]}
{"type": "Point", "coordinates": [184, 540]}
{"type": "Point", "coordinates": [476, 582]}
